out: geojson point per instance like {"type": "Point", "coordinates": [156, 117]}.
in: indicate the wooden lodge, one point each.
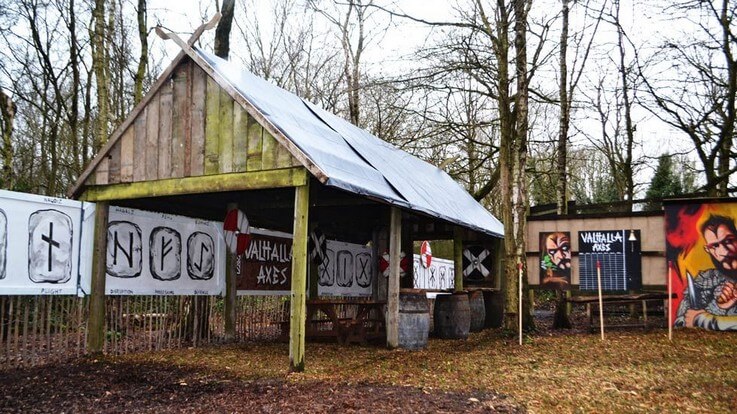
{"type": "Point", "coordinates": [209, 137]}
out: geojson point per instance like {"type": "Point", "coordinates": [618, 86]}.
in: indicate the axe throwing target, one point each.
{"type": "Point", "coordinates": [476, 263]}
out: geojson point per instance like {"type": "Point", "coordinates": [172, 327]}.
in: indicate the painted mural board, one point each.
{"type": "Point", "coordinates": [701, 244]}
{"type": "Point", "coordinates": [621, 268]}
{"type": "Point", "coordinates": [162, 254]}
{"type": "Point", "coordinates": [440, 275]}
{"type": "Point", "coordinates": [266, 266]}
{"type": "Point", "coordinates": [40, 245]}
{"type": "Point", "coordinates": [555, 260]}
{"type": "Point", "coordinates": [346, 270]}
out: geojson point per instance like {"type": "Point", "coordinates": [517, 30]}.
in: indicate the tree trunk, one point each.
{"type": "Point", "coordinates": [629, 128]}
{"type": "Point", "coordinates": [7, 109]}
{"type": "Point", "coordinates": [99, 65]}
{"type": "Point", "coordinates": [519, 183]}
{"type": "Point", "coordinates": [143, 57]}
{"type": "Point", "coordinates": [562, 163]}
{"type": "Point", "coordinates": [222, 31]}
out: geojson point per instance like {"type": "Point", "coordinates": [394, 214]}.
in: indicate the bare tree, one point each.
{"type": "Point", "coordinates": [692, 85]}
{"type": "Point", "coordinates": [294, 55]}
{"type": "Point", "coordinates": [350, 19]}
{"type": "Point", "coordinates": [568, 83]}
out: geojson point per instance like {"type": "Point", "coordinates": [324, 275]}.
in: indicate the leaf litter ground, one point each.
{"type": "Point", "coordinates": [632, 371]}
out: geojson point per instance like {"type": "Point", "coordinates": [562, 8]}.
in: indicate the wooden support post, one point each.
{"type": "Point", "coordinates": [230, 288]}
{"type": "Point", "coordinates": [458, 258]}
{"type": "Point", "coordinates": [392, 303]}
{"type": "Point", "coordinates": [96, 320]}
{"type": "Point", "coordinates": [299, 279]}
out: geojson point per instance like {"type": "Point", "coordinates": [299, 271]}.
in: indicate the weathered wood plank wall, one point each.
{"type": "Point", "coordinates": [191, 127]}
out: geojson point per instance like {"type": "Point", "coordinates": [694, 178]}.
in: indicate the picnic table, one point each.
{"type": "Point", "coordinates": [638, 298]}
{"type": "Point", "coordinates": [343, 319]}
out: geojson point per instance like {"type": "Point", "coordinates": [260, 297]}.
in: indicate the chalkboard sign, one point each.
{"type": "Point", "coordinates": [618, 251]}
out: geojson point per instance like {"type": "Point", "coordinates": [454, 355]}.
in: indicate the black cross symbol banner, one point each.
{"type": "Point", "coordinates": [476, 263]}
{"type": "Point", "coordinates": [52, 243]}
{"type": "Point", "coordinates": [324, 277]}
{"type": "Point", "coordinates": [363, 275]}
{"type": "Point", "coordinates": [317, 246]}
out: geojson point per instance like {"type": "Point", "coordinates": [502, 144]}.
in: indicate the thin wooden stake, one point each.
{"type": "Point", "coordinates": [670, 301]}
{"type": "Point", "coordinates": [519, 270]}
{"type": "Point", "coordinates": [26, 305]}
{"type": "Point", "coordinates": [14, 310]}
{"type": "Point", "coordinates": [36, 331]}
{"type": "Point", "coordinates": [3, 322]}
{"type": "Point", "coordinates": [601, 299]}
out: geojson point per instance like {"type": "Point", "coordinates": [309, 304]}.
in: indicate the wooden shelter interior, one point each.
{"type": "Point", "coordinates": [194, 146]}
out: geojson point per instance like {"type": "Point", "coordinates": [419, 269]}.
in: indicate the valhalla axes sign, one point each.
{"type": "Point", "coordinates": [265, 268]}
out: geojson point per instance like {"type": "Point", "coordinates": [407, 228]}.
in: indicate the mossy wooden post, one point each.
{"type": "Point", "coordinates": [299, 279]}
{"type": "Point", "coordinates": [230, 293]}
{"type": "Point", "coordinates": [96, 321]}
{"type": "Point", "coordinates": [392, 302]}
{"type": "Point", "coordinates": [458, 258]}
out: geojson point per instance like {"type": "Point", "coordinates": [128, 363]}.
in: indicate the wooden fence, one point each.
{"type": "Point", "coordinates": [36, 330]}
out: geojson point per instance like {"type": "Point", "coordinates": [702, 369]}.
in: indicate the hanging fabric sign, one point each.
{"type": "Point", "coordinates": [161, 254]}
{"type": "Point", "coordinates": [40, 251]}
{"type": "Point", "coordinates": [345, 271]}
{"type": "Point", "coordinates": [440, 275]}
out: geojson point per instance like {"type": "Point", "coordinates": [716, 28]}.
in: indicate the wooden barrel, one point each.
{"type": "Point", "coordinates": [478, 310]}
{"type": "Point", "coordinates": [494, 302]}
{"type": "Point", "coordinates": [414, 319]}
{"type": "Point", "coordinates": [452, 316]}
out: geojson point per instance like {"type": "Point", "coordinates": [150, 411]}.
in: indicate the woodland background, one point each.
{"type": "Point", "coordinates": [524, 102]}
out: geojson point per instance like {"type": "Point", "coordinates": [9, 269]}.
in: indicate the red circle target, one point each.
{"type": "Point", "coordinates": [237, 231]}
{"type": "Point", "coordinates": [425, 254]}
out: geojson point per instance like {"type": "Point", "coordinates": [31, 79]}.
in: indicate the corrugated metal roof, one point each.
{"type": "Point", "coordinates": [356, 161]}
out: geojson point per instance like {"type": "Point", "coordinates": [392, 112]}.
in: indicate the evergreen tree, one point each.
{"type": "Point", "coordinates": [665, 183]}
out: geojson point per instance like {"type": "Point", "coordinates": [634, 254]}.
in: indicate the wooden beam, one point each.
{"type": "Point", "coordinates": [96, 320]}
{"type": "Point", "coordinates": [298, 309]}
{"type": "Point", "coordinates": [392, 302]}
{"type": "Point", "coordinates": [288, 177]}
{"type": "Point", "coordinates": [230, 289]}
{"type": "Point", "coordinates": [458, 258]}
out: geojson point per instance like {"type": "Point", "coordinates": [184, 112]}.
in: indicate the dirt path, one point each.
{"type": "Point", "coordinates": [112, 387]}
